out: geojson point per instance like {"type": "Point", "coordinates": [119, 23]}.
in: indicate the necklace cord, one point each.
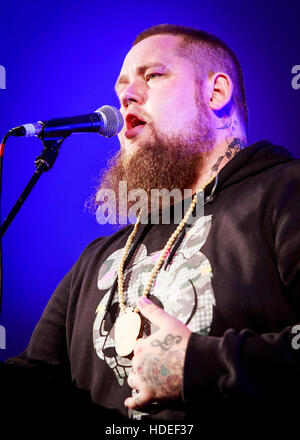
{"type": "Point", "coordinates": [208, 199]}
{"type": "Point", "coordinates": [175, 247]}
{"type": "Point", "coordinates": [130, 254]}
{"type": "Point", "coordinates": [164, 252]}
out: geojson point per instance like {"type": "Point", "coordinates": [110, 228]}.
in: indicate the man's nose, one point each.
{"type": "Point", "coordinates": [134, 92]}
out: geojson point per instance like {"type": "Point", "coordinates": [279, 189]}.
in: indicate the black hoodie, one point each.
{"type": "Point", "coordinates": [234, 280]}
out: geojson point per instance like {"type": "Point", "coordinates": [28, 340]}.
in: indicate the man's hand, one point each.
{"type": "Point", "coordinates": [158, 361]}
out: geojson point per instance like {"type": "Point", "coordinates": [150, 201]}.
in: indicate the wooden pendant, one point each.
{"type": "Point", "coordinates": [127, 329]}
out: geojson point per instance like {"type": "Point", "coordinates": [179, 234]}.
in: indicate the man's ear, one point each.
{"type": "Point", "coordinates": [221, 89]}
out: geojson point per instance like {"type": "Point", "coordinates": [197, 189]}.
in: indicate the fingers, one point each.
{"type": "Point", "coordinates": [134, 381]}
{"type": "Point", "coordinates": [138, 400]}
{"type": "Point", "coordinates": [141, 396]}
{"type": "Point", "coordinates": [138, 347]}
{"type": "Point", "coordinates": [132, 402]}
{"type": "Point", "coordinates": [156, 315]}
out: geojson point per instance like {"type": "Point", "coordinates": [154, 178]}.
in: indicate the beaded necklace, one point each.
{"type": "Point", "coordinates": [128, 324]}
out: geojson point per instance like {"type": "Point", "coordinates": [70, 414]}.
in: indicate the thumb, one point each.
{"type": "Point", "coordinates": [156, 315]}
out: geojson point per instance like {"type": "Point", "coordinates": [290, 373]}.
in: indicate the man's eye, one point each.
{"type": "Point", "coordinates": [152, 75]}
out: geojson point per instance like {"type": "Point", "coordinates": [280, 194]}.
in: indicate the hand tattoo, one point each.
{"type": "Point", "coordinates": [163, 372]}
{"type": "Point", "coordinates": [167, 343]}
{"type": "Point", "coordinates": [163, 375]}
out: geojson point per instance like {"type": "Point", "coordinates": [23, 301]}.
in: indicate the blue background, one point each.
{"type": "Point", "coordinates": [62, 58]}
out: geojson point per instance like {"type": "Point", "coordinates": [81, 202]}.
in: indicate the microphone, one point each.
{"type": "Point", "coordinates": [107, 121]}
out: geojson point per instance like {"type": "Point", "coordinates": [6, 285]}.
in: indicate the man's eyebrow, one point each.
{"type": "Point", "coordinates": [123, 79]}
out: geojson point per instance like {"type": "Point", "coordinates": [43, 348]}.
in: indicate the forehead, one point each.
{"type": "Point", "coordinates": [157, 48]}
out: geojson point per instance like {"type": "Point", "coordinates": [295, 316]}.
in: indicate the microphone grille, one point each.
{"type": "Point", "coordinates": [113, 120]}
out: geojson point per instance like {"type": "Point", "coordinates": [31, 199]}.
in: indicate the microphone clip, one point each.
{"type": "Point", "coordinates": [49, 153]}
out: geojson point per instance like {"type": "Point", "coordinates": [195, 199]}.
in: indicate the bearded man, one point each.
{"type": "Point", "coordinates": [174, 321]}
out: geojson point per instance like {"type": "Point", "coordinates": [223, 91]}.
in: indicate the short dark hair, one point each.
{"type": "Point", "coordinates": [214, 56]}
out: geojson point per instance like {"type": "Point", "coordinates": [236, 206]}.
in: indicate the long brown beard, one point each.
{"type": "Point", "coordinates": [162, 163]}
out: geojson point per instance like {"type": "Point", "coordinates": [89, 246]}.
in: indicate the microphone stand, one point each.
{"type": "Point", "coordinates": [43, 163]}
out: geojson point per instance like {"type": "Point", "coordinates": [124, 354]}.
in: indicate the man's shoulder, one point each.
{"type": "Point", "coordinates": [103, 242]}
{"type": "Point", "coordinates": [287, 171]}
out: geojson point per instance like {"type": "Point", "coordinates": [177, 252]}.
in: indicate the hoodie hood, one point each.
{"type": "Point", "coordinates": [251, 160]}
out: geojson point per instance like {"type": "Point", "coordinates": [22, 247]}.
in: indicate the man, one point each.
{"type": "Point", "coordinates": [215, 302]}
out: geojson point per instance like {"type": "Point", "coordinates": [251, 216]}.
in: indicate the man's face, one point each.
{"type": "Point", "coordinates": [158, 87]}
{"type": "Point", "coordinates": [166, 135]}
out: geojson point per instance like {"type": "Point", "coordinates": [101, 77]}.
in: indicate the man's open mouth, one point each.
{"type": "Point", "coordinates": [133, 125]}
{"type": "Point", "coordinates": [133, 121]}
